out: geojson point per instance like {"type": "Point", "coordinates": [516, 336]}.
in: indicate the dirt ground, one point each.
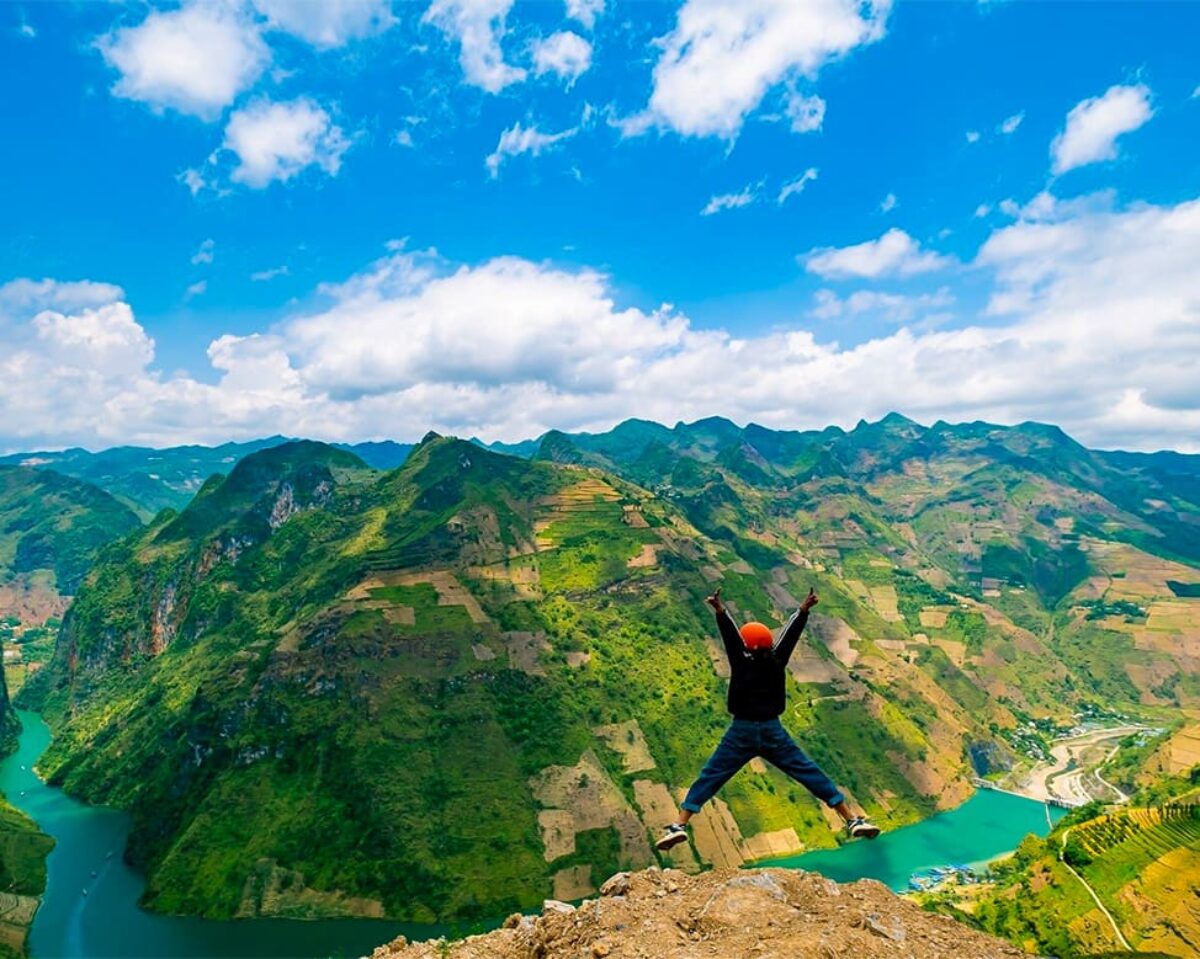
{"type": "Point", "coordinates": [665, 914]}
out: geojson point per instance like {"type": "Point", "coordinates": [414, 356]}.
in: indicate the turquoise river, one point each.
{"type": "Point", "coordinates": [90, 908]}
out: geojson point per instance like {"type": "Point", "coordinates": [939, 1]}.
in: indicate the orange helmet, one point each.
{"type": "Point", "coordinates": [757, 636]}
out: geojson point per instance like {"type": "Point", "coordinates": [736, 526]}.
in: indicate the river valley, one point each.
{"type": "Point", "coordinates": [90, 907]}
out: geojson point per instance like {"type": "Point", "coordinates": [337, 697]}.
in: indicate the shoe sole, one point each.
{"type": "Point", "coordinates": [670, 842]}
{"type": "Point", "coordinates": [869, 833]}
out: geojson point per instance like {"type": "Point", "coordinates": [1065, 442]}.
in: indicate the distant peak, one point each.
{"type": "Point", "coordinates": [430, 437]}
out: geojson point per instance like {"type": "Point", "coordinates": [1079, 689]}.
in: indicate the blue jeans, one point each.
{"type": "Point", "coordinates": [747, 738]}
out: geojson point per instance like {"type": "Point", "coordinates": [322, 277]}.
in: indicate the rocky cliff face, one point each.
{"type": "Point", "coordinates": [657, 914]}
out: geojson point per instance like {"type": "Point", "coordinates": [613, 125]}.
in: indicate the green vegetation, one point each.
{"type": "Point", "coordinates": [1128, 856]}
{"type": "Point", "coordinates": [23, 852]}
{"type": "Point", "coordinates": [356, 679]}
{"type": "Point", "coordinates": [50, 522]}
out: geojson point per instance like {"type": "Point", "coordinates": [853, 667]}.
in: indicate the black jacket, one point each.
{"type": "Point", "coordinates": [758, 682]}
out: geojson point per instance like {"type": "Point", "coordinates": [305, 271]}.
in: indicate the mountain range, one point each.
{"type": "Point", "coordinates": [455, 686]}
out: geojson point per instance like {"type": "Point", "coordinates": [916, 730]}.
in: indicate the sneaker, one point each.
{"type": "Point", "coordinates": [860, 827]}
{"type": "Point", "coordinates": [672, 836]}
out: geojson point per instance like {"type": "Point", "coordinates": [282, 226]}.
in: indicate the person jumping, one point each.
{"type": "Point", "coordinates": [757, 695]}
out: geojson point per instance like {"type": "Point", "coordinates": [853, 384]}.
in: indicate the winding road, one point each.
{"type": "Point", "coordinates": [1060, 780]}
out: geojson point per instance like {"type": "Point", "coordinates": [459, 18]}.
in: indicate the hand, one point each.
{"type": "Point", "coordinates": [715, 601]}
{"type": "Point", "coordinates": [810, 601]}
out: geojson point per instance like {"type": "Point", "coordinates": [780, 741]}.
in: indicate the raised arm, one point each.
{"type": "Point", "coordinates": [793, 628]}
{"type": "Point", "coordinates": [726, 626]}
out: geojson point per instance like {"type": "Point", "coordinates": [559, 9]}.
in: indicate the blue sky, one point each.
{"type": "Point", "coordinates": [229, 219]}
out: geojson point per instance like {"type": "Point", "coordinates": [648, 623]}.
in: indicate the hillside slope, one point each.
{"type": "Point", "coordinates": [1131, 872]}
{"type": "Point", "coordinates": [493, 676]}
{"type": "Point", "coordinates": [1041, 570]}
{"type": "Point", "coordinates": [486, 676]}
{"type": "Point", "coordinates": [23, 851]}
{"type": "Point", "coordinates": [51, 529]}
{"type": "Point", "coordinates": [669, 915]}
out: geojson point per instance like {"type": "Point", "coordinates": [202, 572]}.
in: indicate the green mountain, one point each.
{"type": "Point", "coordinates": [51, 529]}
{"type": "Point", "coordinates": [148, 480]}
{"type": "Point", "coordinates": [23, 851]}
{"type": "Point", "coordinates": [55, 525]}
{"type": "Point", "coordinates": [450, 689]}
{"type": "Point", "coordinates": [454, 688]}
{"type": "Point", "coordinates": [1090, 555]}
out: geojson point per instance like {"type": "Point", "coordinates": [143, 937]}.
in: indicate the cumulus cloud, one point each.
{"type": "Point", "coordinates": [106, 338]}
{"type": "Point", "coordinates": [328, 23]}
{"type": "Point", "coordinates": [195, 59]}
{"type": "Point", "coordinates": [1093, 125]}
{"type": "Point", "coordinates": [25, 295]}
{"type": "Point", "coordinates": [585, 11]}
{"type": "Point", "coordinates": [888, 203]}
{"type": "Point", "coordinates": [721, 59]}
{"type": "Point", "coordinates": [507, 348]}
{"type": "Point", "coordinates": [276, 141]}
{"type": "Point", "coordinates": [973, 136]}
{"type": "Point", "coordinates": [517, 140]}
{"type": "Point", "coordinates": [564, 53]}
{"type": "Point", "coordinates": [792, 187]}
{"type": "Point", "coordinates": [893, 254]}
{"type": "Point", "coordinates": [478, 27]}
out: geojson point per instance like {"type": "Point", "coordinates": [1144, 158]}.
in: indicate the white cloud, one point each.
{"type": "Point", "coordinates": [732, 201]}
{"type": "Point", "coordinates": [895, 307]}
{"type": "Point", "coordinates": [204, 254]}
{"type": "Point", "coordinates": [805, 113]}
{"type": "Point", "coordinates": [517, 140]}
{"type": "Point", "coordinates": [888, 203]}
{"type": "Point", "coordinates": [26, 30]}
{"type": "Point", "coordinates": [478, 26]}
{"type": "Point", "coordinates": [973, 136]}
{"type": "Point", "coordinates": [404, 136]}
{"type": "Point", "coordinates": [1010, 125]}
{"type": "Point", "coordinates": [508, 348]}
{"type": "Point", "coordinates": [328, 23]}
{"type": "Point", "coordinates": [195, 180]}
{"type": "Point", "coordinates": [1093, 126]}
{"type": "Point", "coordinates": [196, 289]}
{"type": "Point", "coordinates": [982, 210]}
{"type": "Point", "coordinates": [721, 59]}
{"type": "Point", "coordinates": [564, 53]}
{"type": "Point", "coordinates": [107, 339]}
{"type": "Point", "coordinates": [893, 254]}
{"type": "Point", "coordinates": [1196, 93]}
{"type": "Point", "coordinates": [195, 59]}
{"type": "Point", "coordinates": [264, 275]}
{"type": "Point", "coordinates": [585, 11]}
{"type": "Point", "coordinates": [276, 141]}
{"type": "Point", "coordinates": [792, 187]}
{"type": "Point", "coordinates": [25, 295]}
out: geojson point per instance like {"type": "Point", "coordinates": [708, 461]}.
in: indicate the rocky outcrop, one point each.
{"type": "Point", "coordinates": [656, 914]}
